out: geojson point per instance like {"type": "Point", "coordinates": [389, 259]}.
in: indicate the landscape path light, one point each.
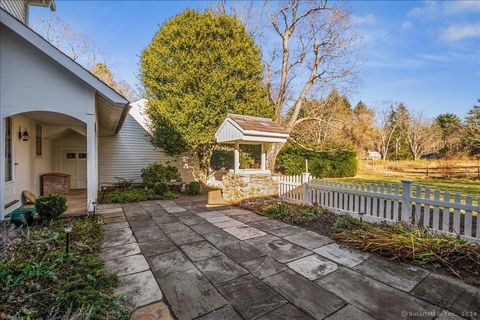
{"type": "Point", "coordinates": [68, 230]}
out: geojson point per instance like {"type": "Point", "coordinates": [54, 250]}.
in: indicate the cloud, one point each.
{"type": "Point", "coordinates": [433, 9]}
{"type": "Point", "coordinates": [459, 32]}
{"type": "Point", "coordinates": [406, 25]}
{"type": "Point", "coordinates": [369, 19]}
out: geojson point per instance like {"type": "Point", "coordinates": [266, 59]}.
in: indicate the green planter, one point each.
{"type": "Point", "coordinates": [22, 216]}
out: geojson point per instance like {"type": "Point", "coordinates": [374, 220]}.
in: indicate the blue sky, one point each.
{"type": "Point", "coordinates": [426, 54]}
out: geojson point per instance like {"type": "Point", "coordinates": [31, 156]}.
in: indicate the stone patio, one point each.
{"type": "Point", "coordinates": [185, 259]}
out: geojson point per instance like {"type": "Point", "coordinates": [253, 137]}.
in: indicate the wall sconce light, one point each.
{"type": "Point", "coordinates": [23, 134]}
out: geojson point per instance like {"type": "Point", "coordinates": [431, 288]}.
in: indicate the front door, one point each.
{"type": "Point", "coordinates": [74, 163]}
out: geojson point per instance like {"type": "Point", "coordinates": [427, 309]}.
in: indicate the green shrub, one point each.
{"type": "Point", "coordinates": [51, 206]}
{"type": "Point", "coordinates": [194, 188]}
{"type": "Point", "coordinates": [161, 188]}
{"type": "Point", "coordinates": [169, 195]}
{"type": "Point", "coordinates": [156, 172]}
{"type": "Point", "coordinates": [291, 213]}
{"type": "Point", "coordinates": [136, 195]}
{"type": "Point", "coordinates": [322, 164]}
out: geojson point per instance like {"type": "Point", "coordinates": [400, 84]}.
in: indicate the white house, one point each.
{"type": "Point", "coordinates": [58, 117]}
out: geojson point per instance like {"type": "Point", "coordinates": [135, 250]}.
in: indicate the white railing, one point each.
{"type": "Point", "coordinates": [443, 212]}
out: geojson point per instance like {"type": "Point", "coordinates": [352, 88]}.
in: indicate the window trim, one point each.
{"type": "Point", "coordinates": [37, 126]}
{"type": "Point", "coordinates": [8, 149]}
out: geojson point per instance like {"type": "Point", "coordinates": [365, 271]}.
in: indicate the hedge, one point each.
{"type": "Point", "coordinates": [321, 164]}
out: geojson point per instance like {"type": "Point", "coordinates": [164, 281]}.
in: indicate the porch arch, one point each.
{"type": "Point", "coordinates": [51, 119]}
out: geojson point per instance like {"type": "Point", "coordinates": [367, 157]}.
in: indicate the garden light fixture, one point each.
{"type": "Point", "coordinates": [68, 230]}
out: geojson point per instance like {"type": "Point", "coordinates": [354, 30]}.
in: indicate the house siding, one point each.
{"type": "Point", "coordinates": [127, 153]}
{"type": "Point", "coordinates": [17, 8]}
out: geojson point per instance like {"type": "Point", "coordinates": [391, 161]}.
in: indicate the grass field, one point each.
{"type": "Point", "coordinates": [452, 185]}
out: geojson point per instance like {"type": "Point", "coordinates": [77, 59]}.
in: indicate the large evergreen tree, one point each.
{"type": "Point", "coordinates": [198, 68]}
{"type": "Point", "coordinates": [472, 131]}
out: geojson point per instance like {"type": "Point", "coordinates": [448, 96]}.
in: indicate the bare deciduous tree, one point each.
{"type": "Point", "coordinates": [309, 46]}
{"type": "Point", "coordinates": [422, 136]}
{"type": "Point", "coordinates": [385, 130]}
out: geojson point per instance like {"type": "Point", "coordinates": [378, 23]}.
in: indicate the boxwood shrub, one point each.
{"type": "Point", "coordinates": [156, 172]}
{"type": "Point", "coordinates": [194, 188]}
{"type": "Point", "coordinates": [50, 206]}
{"type": "Point", "coordinates": [321, 164]}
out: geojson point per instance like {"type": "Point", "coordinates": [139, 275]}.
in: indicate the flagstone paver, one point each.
{"type": "Point", "coordinates": [204, 228]}
{"type": "Point", "coordinates": [399, 275]}
{"type": "Point", "coordinates": [190, 294]}
{"type": "Point", "coordinates": [200, 251]}
{"type": "Point", "coordinates": [345, 256]}
{"type": "Point", "coordinates": [220, 269]}
{"type": "Point", "coordinates": [264, 266]}
{"type": "Point", "coordinates": [120, 251]}
{"type": "Point", "coordinates": [287, 231]}
{"type": "Point", "coordinates": [350, 312]}
{"type": "Point", "coordinates": [157, 247]}
{"type": "Point", "coordinates": [223, 262]}
{"type": "Point", "coordinates": [141, 287]}
{"type": "Point", "coordinates": [250, 297]}
{"type": "Point", "coordinates": [165, 264]}
{"type": "Point", "coordinates": [309, 239]}
{"type": "Point", "coordinates": [184, 237]}
{"type": "Point", "coordinates": [224, 313]}
{"type": "Point", "coordinates": [306, 295]}
{"type": "Point", "coordinates": [127, 265]}
{"type": "Point", "coordinates": [244, 232]}
{"type": "Point", "coordinates": [313, 267]}
{"type": "Point", "coordinates": [252, 217]}
{"type": "Point", "coordinates": [278, 248]}
{"type": "Point", "coordinates": [450, 293]}
{"type": "Point", "coordinates": [377, 299]}
{"type": "Point", "coordinates": [287, 312]}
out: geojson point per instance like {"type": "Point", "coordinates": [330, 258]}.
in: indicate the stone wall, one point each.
{"type": "Point", "coordinates": [241, 186]}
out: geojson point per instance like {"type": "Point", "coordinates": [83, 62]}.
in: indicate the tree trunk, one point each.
{"type": "Point", "coordinates": [204, 155]}
{"type": "Point", "coordinates": [272, 154]}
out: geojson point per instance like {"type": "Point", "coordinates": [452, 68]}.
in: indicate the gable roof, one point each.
{"type": "Point", "coordinates": [257, 123]}
{"type": "Point", "coordinates": [237, 128]}
{"type": "Point", "coordinates": [47, 48]}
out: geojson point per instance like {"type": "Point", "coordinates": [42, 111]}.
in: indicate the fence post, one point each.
{"type": "Point", "coordinates": [306, 193]}
{"type": "Point", "coordinates": [407, 200]}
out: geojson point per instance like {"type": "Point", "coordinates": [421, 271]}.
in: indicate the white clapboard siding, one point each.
{"type": "Point", "coordinates": [375, 203]}
{"type": "Point", "coordinates": [125, 154]}
{"type": "Point", "coordinates": [17, 8]}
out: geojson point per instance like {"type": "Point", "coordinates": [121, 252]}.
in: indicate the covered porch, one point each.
{"type": "Point", "coordinates": [52, 112]}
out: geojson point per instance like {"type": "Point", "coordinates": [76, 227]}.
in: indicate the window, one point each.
{"type": "Point", "coordinates": [71, 155]}
{"type": "Point", "coordinates": [38, 140]}
{"type": "Point", "coordinates": [82, 155]}
{"type": "Point", "coordinates": [8, 150]}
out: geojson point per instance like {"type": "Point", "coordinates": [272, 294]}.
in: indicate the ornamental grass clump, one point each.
{"type": "Point", "coordinates": [404, 242]}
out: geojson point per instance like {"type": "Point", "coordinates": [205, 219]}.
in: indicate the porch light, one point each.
{"type": "Point", "coordinates": [68, 230]}
{"type": "Point", "coordinates": [23, 134]}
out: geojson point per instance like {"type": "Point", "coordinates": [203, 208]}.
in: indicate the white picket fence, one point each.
{"type": "Point", "coordinates": [415, 204]}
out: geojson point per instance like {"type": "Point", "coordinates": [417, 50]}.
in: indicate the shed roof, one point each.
{"type": "Point", "coordinates": [237, 128]}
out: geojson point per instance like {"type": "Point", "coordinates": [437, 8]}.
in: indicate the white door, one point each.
{"type": "Point", "coordinates": [74, 163]}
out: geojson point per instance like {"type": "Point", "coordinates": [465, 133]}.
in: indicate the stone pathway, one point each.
{"type": "Point", "coordinates": [183, 259]}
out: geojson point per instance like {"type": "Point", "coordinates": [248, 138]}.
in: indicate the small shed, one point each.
{"type": "Point", "coordinates": [238, 129]}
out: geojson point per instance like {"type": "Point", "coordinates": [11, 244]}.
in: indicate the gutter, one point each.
{"type": "Point", "coordinates": [126, 110]}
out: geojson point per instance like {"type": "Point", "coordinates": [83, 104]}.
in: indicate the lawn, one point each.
{"type": "Point", "coordinates": [464, 187]}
